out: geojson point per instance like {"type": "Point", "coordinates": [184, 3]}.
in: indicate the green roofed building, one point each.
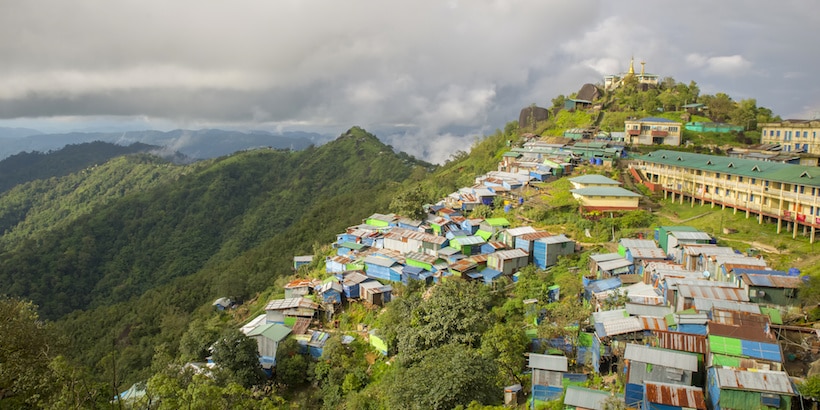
{"type": "Point", "coordinates": [786, 194]}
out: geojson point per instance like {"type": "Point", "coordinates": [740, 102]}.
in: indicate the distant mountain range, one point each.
{"type": "Point", "coordinates": [199, 144]}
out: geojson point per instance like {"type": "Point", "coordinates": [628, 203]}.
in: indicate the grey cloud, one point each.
{"type": "Point", "coordinates": [415, 70]}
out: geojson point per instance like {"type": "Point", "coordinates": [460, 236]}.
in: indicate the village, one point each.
{"type": "Point", "coordinates": [696, 325]}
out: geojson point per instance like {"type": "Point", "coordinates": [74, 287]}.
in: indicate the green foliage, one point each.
{"type": "Point", "coordinates": [25, 346]}
{"type": "Point", "coordinates": [447, 376]}
{"type": "Point", "coordinates": [236, 355]}
{"type": "Point", "coordinates": [341, 371]}
{"type": "Point", "coordinates": [291, 366]}
{"type": "Point", "coordinates": [455, 312]}
{"type": "Point", "coordinates": [506, 343]}
{"type": "Point", "coordinates": [410, 203]}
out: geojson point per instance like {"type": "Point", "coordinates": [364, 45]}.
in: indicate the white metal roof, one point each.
{"type": "Point", "coordinates": [548, 362]}
{"type": "Point", "coordinates": [661, 357]}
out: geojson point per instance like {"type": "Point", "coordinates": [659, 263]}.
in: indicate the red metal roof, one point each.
{"type": "Point", "coordinates": [675, 395]}
{"type": "Point", "coordinates": [684, 342]}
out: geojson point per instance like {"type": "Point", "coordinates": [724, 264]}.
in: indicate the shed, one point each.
{"type": "Point", "coordinates": [771, 289]}
{"type": "Point", "coordinates": [547, 250]}
{"type": "Point", "coordinates": [222, 303]}
{"type": "Point", "coordinates": [581, 398]}
{"type": "Point", "coordinates": [672, 396]}
{"type": "Point", "coordinates": [350, 283]}
{"type": "Point", "coordinates": [267, 337]}
{"type": "Point", "coordinates": [301, 260]}
{"type": "Point", "coordinates": [508, 261]}
{"type": "Point", "coordinates": [376, 293]}
{"type": "Point", "coordinates": [741, 389]}
{"type": "Point", "coordinates": [547, 375]}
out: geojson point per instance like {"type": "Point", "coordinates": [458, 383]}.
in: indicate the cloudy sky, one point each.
{"type": "Point", "coordinates": [426, 76]}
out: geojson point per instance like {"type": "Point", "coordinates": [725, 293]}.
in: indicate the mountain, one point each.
{"type": "Point", "coordinates": [200, 144]}
{"type": "Point", "coordinates": [25, 167]}
{"type": "Point", "coordinates": [120, 251]}
{"type": "Point", "coordinates": [7, 132]}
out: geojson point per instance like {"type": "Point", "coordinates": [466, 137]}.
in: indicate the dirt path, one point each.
{"type": "Point", "coordinates": [762, 246]}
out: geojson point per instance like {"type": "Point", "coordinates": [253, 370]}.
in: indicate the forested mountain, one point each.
{"type": "Point", "coordinates": [29, 166]}
{"type": "Point", "coordinates": [198, 144]}
{"type": "Point", "coordinates": [132, 247]}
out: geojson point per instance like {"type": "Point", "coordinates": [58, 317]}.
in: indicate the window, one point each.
{"type": "Point", "coordinates": [717, 174]}
{"type": "Point", "coordinates": [673, 129]}
{"type": "Point", "coordinates": [805, 134]}
{"type": "Point", "coordinates": [739, 179]}
{"type": "Point", "coordinates": [764, 132]}
{"type": "Point", "coordinates": [778, 133]}
{"type": "Point", "coordinates": [751, 197]}
{"type": "Point", "coordinates": [728, 177]}
{"type": "Point", "coordinates": [754, 181]}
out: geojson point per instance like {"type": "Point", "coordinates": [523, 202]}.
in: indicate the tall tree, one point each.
{"type": "Point", "coordinates": [26, 346]}
{"type": "Point", "coordinates": [236, 354]}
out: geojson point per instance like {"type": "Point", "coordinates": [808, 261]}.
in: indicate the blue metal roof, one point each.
{"type": "Point", "coordinates": [604, 284]}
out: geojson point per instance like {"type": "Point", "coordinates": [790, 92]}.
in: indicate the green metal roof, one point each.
{"type": "Point", "coordinates": [752, 168]}
{"type": "Point", "coordinates": [604, 191]}
{"type": "Point", "coordinates": [497, 221]}
{"type": "Point", "coordinates": [273, 331]}
{"type": "Point", "coordinates": [594, 179]}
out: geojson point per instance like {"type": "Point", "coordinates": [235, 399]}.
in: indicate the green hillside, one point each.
{"type": "Point", "coordinates": [134, 246]}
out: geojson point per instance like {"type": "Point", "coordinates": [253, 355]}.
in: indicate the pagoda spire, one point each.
{"type": "Point", "coordinates": [632, 65]}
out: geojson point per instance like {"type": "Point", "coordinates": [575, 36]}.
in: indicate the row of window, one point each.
{"type": "Point", "coordinates": [788, 134]}
{"type": "Point", "coordinates": [798, 189]}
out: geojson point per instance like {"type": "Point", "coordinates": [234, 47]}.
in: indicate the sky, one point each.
{"type": "Point", "coordinates": [426, 76]}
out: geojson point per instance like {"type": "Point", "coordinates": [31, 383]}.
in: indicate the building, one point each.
{"type": "Point", "coordinates": [593, 180]}
{"type": "Point", "coordinates": [784, 193]}
{"type": "Point", "coordinates": [741, 389]}
{"type": "Point", "coordinates": [792, 135]}
{"type": "Point", "coordinates": [606, 199]}
{"type": "Point", "coordinates": [653, 131]}
{"type": "Point", "coordinates": [644, 79]}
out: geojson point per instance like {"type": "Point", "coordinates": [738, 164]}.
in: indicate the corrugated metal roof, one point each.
{"type": "Point", "coordinates": [479, 259]}
{"type": "Point", "coordinates": [653, 323]}
{"type": "Point", "coordinates": [468, 240]}
{"type": "Point", "coordinates": [635, 309]}
{"type": "Point", "coordinates": [379, 261]}
{"type": "Point", "coordinates": [736, 318]}
{"type": "Point", "coordinates": [754, 333]}
{"type": "Point", "coordinates": [594, 179]}
{"type": "Point", "coordinates": [712, 292]}
{"type": "Point", "coordinates": [637, 243]}
{"type": "Point", "coordinates": [535, 235]}
{"type": "Point", "coordinates": [648, 253]}
{"type": "Point", "coordinates": [421, 257]}
{"type": "Point", "coordinates": [509, 254]}
{"type": "Point", "coordinates": [584, 398]}
{"type": "Point", "coordinates": [691, 236]}
{"type": "Point", "coordinates": [302, 283]}
{"type": "Point", "coordinates": [619, 327]}
{"type": "Point", "coordinates": [675, 395]}
{"type": "Point", "coordinates": [521, 230]}
{"type": "Point", "coordinates": [707, 250]}
{"type": "Point", "coordinates": [689, 319]}
{"type": "Point", "coordinates": [604, 191]}
{"type": "Point", "coordinates": [353, 277]}
{"type": "Point", "coordinates": [613, 264]}
{"type": "Point", "coordinates": [772, 281]}
{"type": "Point", "coordinates": [555, 239]}
{"type": "Point", "coordinates": [290, 303]}
{"type": "Point", "coordinates": [342, 260]}
{"type": "Point", "coordinates": [773, 171]}
{"type": "Point", "coordinates": [761, 381]}
{"type": "Point", "coordinates": [274, 331]}
{"type": "Point", "coordinates": [547, 362]}
{"type": "Point", "coordinates": [603, 316]}
{"type": "Point", "coordinates": [705, 305]}
{"type": "Point", "coordinates": [661, 357]}
{"type": "Point", "coordinates": [604, 285]}
{"type": "Point", "coordinates": [685, 342]}
{"type": "Point", "coordinates": [602, 257]}
{"type": "Point", "coordinates": [400, 233]}
{"type": "Point", "coordinates": [463, 265]}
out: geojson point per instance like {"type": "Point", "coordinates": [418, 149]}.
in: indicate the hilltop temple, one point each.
{"type": "Point", "coordinates": [614, 81]}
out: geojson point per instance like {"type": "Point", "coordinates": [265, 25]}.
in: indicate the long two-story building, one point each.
{"type": "Point", "coordinates": [784, 193]}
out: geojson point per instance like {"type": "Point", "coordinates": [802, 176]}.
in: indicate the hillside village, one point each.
{"type": "Point", "coordinates": [677, 319]}
{"type": "Point", "coordinates": [696, 325]}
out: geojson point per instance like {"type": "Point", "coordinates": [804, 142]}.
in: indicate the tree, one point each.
{"type": "Point", "coordinates": [26, 345]}
{"type": "Point", "coordinates": [456, 312]}
{"type": "Point", "coordinates": [506, 343]}
{"type": "Point", "coordinates": [236, 355]}
{"type": "Point", "coordinates": [410, 203]}
{"type": "Point", "coordinates": [446, 377]}
{"type": "Point", "coordinates": [810, 387]}
{"type": "Point", "coordinates": [291, 366]}
{"type": "Point", "coordinates": [745, 114]}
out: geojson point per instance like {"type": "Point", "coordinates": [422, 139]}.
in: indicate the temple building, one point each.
{"type": "Point", "coordinates": [645, 79]}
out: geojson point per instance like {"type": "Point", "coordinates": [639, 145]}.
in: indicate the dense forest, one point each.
{"type": "Point", "coordinates": [121, 255]}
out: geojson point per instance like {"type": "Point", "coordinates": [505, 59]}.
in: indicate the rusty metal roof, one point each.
{"type": "Point", "coordinates": [535, 235]}
{"type": "Point", "coordinates": [685, 342]}
{"type": "Point", "coordinates": [738, 318]}
{"type": "Point", "coordinates": [753, 333]}
{"type": "Point", "coordinates": [653, 323]}
{"type": "Point", "coordinates": [772, 281]}
{"type": "Point", "coordinates": [509, 254]}
{"type": "Point", "coordinates": [421, 257]}
{"type": "Point", "coordinates": [481, 258]}
{"type": "Point", "coordinates": [712, 292]}
{"type": "Point", "coordinates": [401, 233]}
{"type": "Point", "coordinates": [463, 265]}
{"type": "Point", "coordinates": [761, 381]}
{"type": "Point", "coordinates": [675, 395]}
